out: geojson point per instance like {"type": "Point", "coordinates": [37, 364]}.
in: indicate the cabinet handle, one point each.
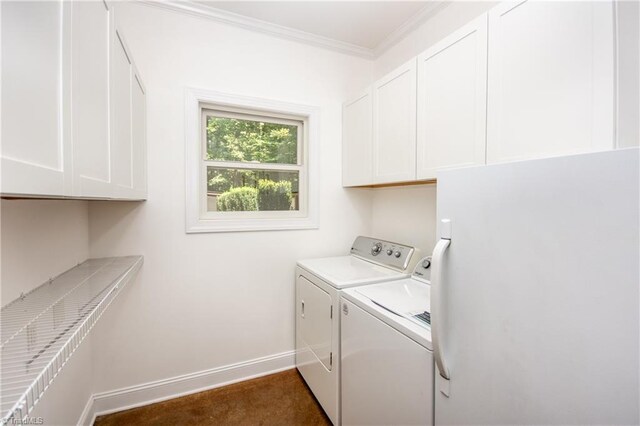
{"type": "Point", "coordinates": [302, 310]}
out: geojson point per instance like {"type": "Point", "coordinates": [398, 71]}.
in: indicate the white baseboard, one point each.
{"type": "Point", "coordinates": [162, 390]}
{"type": "Point", "coordinates": [87, 417]}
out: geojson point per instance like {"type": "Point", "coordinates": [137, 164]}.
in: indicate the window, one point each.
{"type": "Point", "coordinates": [252, 163]}
{"type": "Point", "coordinates": [249, 164]}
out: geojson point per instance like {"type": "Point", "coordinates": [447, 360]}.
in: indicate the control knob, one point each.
{"type": "Point", "coordinates": [389, 252]}
{"type": "Point", "coordinates": [376, 249]}
{"type": "Point", "coordinates": [398, 254]}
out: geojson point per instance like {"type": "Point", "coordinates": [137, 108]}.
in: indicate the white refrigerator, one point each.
{"type": "Point", "coordinates": [535, 292]}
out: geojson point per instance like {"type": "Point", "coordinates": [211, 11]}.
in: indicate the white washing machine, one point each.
{"type": "Point", "coordinates": [319, 284]}
{"type": "Point", "coordinates": [387, 363]}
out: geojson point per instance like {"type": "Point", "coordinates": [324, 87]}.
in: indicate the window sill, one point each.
{"type": "Point", "coordinates": [246, 225]}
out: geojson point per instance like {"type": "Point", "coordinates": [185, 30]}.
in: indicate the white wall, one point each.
{"type": "Point", "coordinates": [628, 72]}
{"type": "Point", "coordinates": [209, 300]}
{"type": "Point", "coordinates": [405, 215]}
{"type": "Point", "coordinates": [40, 239]}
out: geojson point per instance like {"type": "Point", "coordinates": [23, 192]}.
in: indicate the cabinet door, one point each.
{"type": "Point", "coordinates": [452, 96]}
{"type": "Point", "coordinates": [91, 41]}
{"type": "Point", "coordinates": [35, 98]}
{"type": "Point", "coordinates": [139, 136]}
{"type": "Point", "coordinates": [394, 124]}
{"type": "Point", "coordinates": [357, 145]}
{"type": "Point", "coordinates": [121, 128]}
{"type": "Point", "coordinates": [551, 79]}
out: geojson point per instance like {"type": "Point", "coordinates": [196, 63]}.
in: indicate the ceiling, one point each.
{"type": "Point", "coordinates": [366, 24]}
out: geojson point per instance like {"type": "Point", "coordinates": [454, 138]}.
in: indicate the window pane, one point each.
{"type": "Point", "coordinates": [252, 190]}
{"type": "Point", "coordinates": [232, 139]}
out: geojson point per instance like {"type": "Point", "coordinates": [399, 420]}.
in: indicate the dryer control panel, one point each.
{"type": "Point", "coordinates": [386, 253]}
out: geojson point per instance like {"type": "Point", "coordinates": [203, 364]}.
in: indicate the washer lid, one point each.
{"type": "Point", "coordinates": [349, 271]}
{"type": "Point", "coordinates": [387, 302]}
{"type": "Point", "coordinates": [407, 297]}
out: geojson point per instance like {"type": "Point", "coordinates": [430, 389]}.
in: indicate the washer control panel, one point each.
{"type": "Point", "coordinates": [386, 253]}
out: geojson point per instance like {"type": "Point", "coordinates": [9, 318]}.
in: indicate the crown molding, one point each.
{"type": "Point", "coordinates": [427, 12]}
{"type": "Point", "coordinates": [257, 25]}
{"type": "Point", "coordinates": [209, 12]}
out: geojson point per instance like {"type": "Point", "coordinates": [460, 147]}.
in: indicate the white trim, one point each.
{"type": "Point", "coordinates": [257, 25]}
{"type": "Point", "coordinates": [195, 222]}
{"type": "Point", "coordinates": [161, 390]}
{"type": "Point", "coordinates": [88, 417]}
{"type": "Point", "coordinates": [218, 112]}
{"type": "Point", "coordinates": [248, 165]}
{"type": "Point", "coordinates": [424, 14]}
{"type": "Point", "coordinates": [252, 24]}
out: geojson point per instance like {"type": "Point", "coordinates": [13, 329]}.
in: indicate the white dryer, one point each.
{"type": "Point", "coordinates": [319, 284]}
{"type": "Point", "coordinates": [387, 362]}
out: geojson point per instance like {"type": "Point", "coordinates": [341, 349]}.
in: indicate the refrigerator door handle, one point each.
{"type": "Point", "coordinates": [436, 283]}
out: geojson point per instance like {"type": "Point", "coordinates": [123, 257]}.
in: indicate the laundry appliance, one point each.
{"type": "Point", "coordinates": [386, 352]}
{"type": "Point", "coordinates": [319, 285]}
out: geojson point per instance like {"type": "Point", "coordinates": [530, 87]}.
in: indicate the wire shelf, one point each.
{"type": "Point", "coordinates": [40, 330]}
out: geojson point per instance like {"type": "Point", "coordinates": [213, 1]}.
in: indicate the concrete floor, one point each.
{"type": "Point", "coordinates": [278, 399]}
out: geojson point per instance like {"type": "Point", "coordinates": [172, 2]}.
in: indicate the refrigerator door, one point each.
{"type": "Point", "coordinates": [539, 293]}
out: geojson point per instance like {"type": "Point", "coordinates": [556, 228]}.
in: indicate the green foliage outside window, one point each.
{"type": "Point", "coordinates": [269, 195]}
{"type": "Point", "coordinates": [222, 179]}
{"type": "Point", "coordinates": [238, 199]}
{"type": "Point", "coordinates": [274, 195]}
{"type": "Point", "coordinates": [231, 139]}
{"type": "Point", "coordinates": [246, 189]}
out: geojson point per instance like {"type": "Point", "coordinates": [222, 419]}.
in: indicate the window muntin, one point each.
{"type": "Point", "coordinates": [253, 165]}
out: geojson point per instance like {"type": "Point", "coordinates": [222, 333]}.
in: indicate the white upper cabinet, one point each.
{"type": "Point", "coordinates": [529, 79]}
{"type": "Point", "coordinates": [92, 28]}
{"type": "Point", "coordinates": [452, 95]}
{"type": "Point", "coordinates": [73, 108]}
{"type": "Point", "coordinates": [551, 79]}
{"type": "Point", "coordinates": [35, 98]}
{"type": "Point", "coordinates": [121, 134]}
{"type": "Point", "coordinates": [357, 116]}
{"type": "Point", "coordinates": [394, 126]}
{"type": "Point", "coordinates": [139, 136]}
{"type": "Point", "coordinates": [128, 124]}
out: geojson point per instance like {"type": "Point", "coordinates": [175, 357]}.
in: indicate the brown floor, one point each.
{"type": "Point", "coordinates": [278, 399]}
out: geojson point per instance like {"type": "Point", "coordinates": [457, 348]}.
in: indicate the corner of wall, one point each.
{"type": "Point", "coordinates": [40, 239]}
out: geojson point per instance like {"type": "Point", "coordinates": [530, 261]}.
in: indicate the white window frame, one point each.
{"type": "Point", "coordinates": [197, 103]}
